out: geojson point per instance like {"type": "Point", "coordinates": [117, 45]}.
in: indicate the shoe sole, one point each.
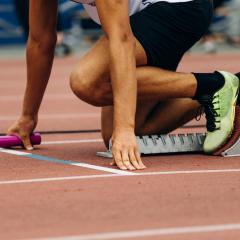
{"type": "Point", "coordinates": [235, 134]}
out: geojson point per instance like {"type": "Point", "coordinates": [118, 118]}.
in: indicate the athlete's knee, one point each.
{"type": "Point", "coordinates": [84, 88]}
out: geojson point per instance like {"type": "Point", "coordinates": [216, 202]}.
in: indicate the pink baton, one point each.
{"type": "Point", "coordinates": [14, 141]}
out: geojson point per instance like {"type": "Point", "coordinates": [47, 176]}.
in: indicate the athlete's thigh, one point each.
{"type": "Point", "coordinates": [95, 64]}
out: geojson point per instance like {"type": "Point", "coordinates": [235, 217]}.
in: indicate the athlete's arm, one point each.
{"type": "Point", "coordinates": [116, 25]}
{"type": "Point", "coordinates": [40, 54]}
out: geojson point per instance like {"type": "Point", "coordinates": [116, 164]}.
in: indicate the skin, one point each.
{"type": "Point", "coordinates": [154, 86]}
{"type": "Point", "coordinates": [121, 44]}
{"type": "Point", "coordinates": [41, 44]}
{"type": "Point", "coordinates": [120, 78]}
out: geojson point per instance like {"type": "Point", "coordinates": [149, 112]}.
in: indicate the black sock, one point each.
{"type": "Point", "coordinates": [208, 84]}
{"type": "Point", "coordinates": [238, 100]}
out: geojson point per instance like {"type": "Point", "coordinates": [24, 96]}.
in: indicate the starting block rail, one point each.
{"type": "Point", "coordinates": [174, 143]}
{"type": "Point", "coordinates": [163, 144]}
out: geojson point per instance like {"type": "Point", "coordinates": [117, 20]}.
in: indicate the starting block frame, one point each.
{"type": "Point", "coordinates": [173, 144]}
{"type": "Point", "coordinates": [165, 144]}
{"type": "Point", "coordinates": [233, 151]}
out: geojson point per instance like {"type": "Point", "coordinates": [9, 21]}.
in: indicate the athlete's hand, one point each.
{"type": "Point", "coordinates": [126, 151]}
{"type": "Point", "coordinates": [23, 128]}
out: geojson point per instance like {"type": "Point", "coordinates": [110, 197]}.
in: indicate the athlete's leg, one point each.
{"type": "Point", "coordinates": [159, 121]}
{"type": "Point", "coordinates": [90, 80]}
{"type": "Point", "coordinates": [155, 84]}
{"type": "Point", "coordinates": [152, 118]}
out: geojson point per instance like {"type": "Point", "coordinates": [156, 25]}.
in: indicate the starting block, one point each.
{"type": "Point", "coordinates": [174, 143]}
{"type": "Point", "coordinates": [165, 144]}
{"type": "Point", "coordinates": [233, 151]}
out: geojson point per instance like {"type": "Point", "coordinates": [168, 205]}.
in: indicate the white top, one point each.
{"type": "Point", "coordinates": [134, 6]}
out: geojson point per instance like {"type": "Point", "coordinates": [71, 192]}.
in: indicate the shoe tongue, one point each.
{"type": "Point", "coordinates": [211, 125]}
{"type": "Point", "coordinates": [211, 110]}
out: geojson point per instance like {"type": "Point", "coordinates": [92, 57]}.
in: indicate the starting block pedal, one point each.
{"type": "Point", "coordinates": [163, 144]}
{"type": "Point", "coordinates": [233, 151]}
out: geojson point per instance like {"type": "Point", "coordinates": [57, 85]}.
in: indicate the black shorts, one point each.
{"type": "Point", "coordinates": [167, 30]}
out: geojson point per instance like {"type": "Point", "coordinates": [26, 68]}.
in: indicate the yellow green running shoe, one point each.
{"type": "Point", "coordinates": [220, 113]}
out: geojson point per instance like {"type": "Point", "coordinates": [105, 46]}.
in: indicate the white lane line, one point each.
{"type": "Point", "coordinates": [66, 162]}
{"type": "Point", "coordinates": [103, 169]}
{"type": "Point", "coordinates": [204, 171]}
{"type": "Point", "coordinates": [71, 141]}
{"type": "Point", "coordinates": [14, 152]}
{"type": "Point", "coordinates": [152, 232]}
{"type": "Point", "coordinates": [56, 115]}
{"type": "Point", "coordinates": [55, 179]}
{"type": "Point", "coordinates": [163, 173]}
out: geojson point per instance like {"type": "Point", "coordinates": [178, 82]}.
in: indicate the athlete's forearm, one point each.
{"type": "Point", "coordinates": [124, 83]}
{"type": "Point", "coordinates": [40, 52]}
{"type": "Point", "coordinates": [39, 64]}
{"type": "Point", "coordinates": [114, 16]}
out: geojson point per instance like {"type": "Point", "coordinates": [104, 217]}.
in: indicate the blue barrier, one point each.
{"type": "Point", "coordinates": [10, 30]}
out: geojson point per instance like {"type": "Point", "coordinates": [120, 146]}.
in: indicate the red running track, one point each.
{"type": "Point", "coordinates": [42, 199]}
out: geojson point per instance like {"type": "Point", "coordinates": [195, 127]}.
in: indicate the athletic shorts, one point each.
{"type": "Point", "coordinates": [167, 30]}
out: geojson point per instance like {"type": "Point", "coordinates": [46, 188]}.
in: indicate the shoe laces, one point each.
{"type": "Point", "coordinates": [199, 113]}
{"type": "Point", "coordinates": [211, 106]}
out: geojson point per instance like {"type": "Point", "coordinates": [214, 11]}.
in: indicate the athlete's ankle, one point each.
{"type": "Point", "coordinates": [208, 84]}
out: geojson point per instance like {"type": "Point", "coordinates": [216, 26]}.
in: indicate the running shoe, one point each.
{"type": "Point", "coordinates": [220, 113]}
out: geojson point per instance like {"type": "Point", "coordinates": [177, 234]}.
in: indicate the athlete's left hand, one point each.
{"type": "Point", "coordinates": [126, 151]}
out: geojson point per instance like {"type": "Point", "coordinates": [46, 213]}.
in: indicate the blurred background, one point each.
{"type": "Point", "coordinates": [77, 32]}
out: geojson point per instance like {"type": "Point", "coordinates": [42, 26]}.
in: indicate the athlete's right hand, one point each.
{"type": "Point", "coordinates": [23, 128]}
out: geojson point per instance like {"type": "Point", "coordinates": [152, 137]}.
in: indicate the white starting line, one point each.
{"type": "Point", "coordinates": [112, 172]}
{"type": "Point", "coordinates": [102, 176]}
{"type": "Point", "coordinates": [153, 232]}
{"type": "Point", "coordinates": [65, 162]}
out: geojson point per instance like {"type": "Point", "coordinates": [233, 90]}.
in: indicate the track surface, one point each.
{"type": "Point", "coordinates": [64, 190]}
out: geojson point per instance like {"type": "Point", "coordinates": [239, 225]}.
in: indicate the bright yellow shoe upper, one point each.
{"type": "Point", "coordinates": [220, 113]}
